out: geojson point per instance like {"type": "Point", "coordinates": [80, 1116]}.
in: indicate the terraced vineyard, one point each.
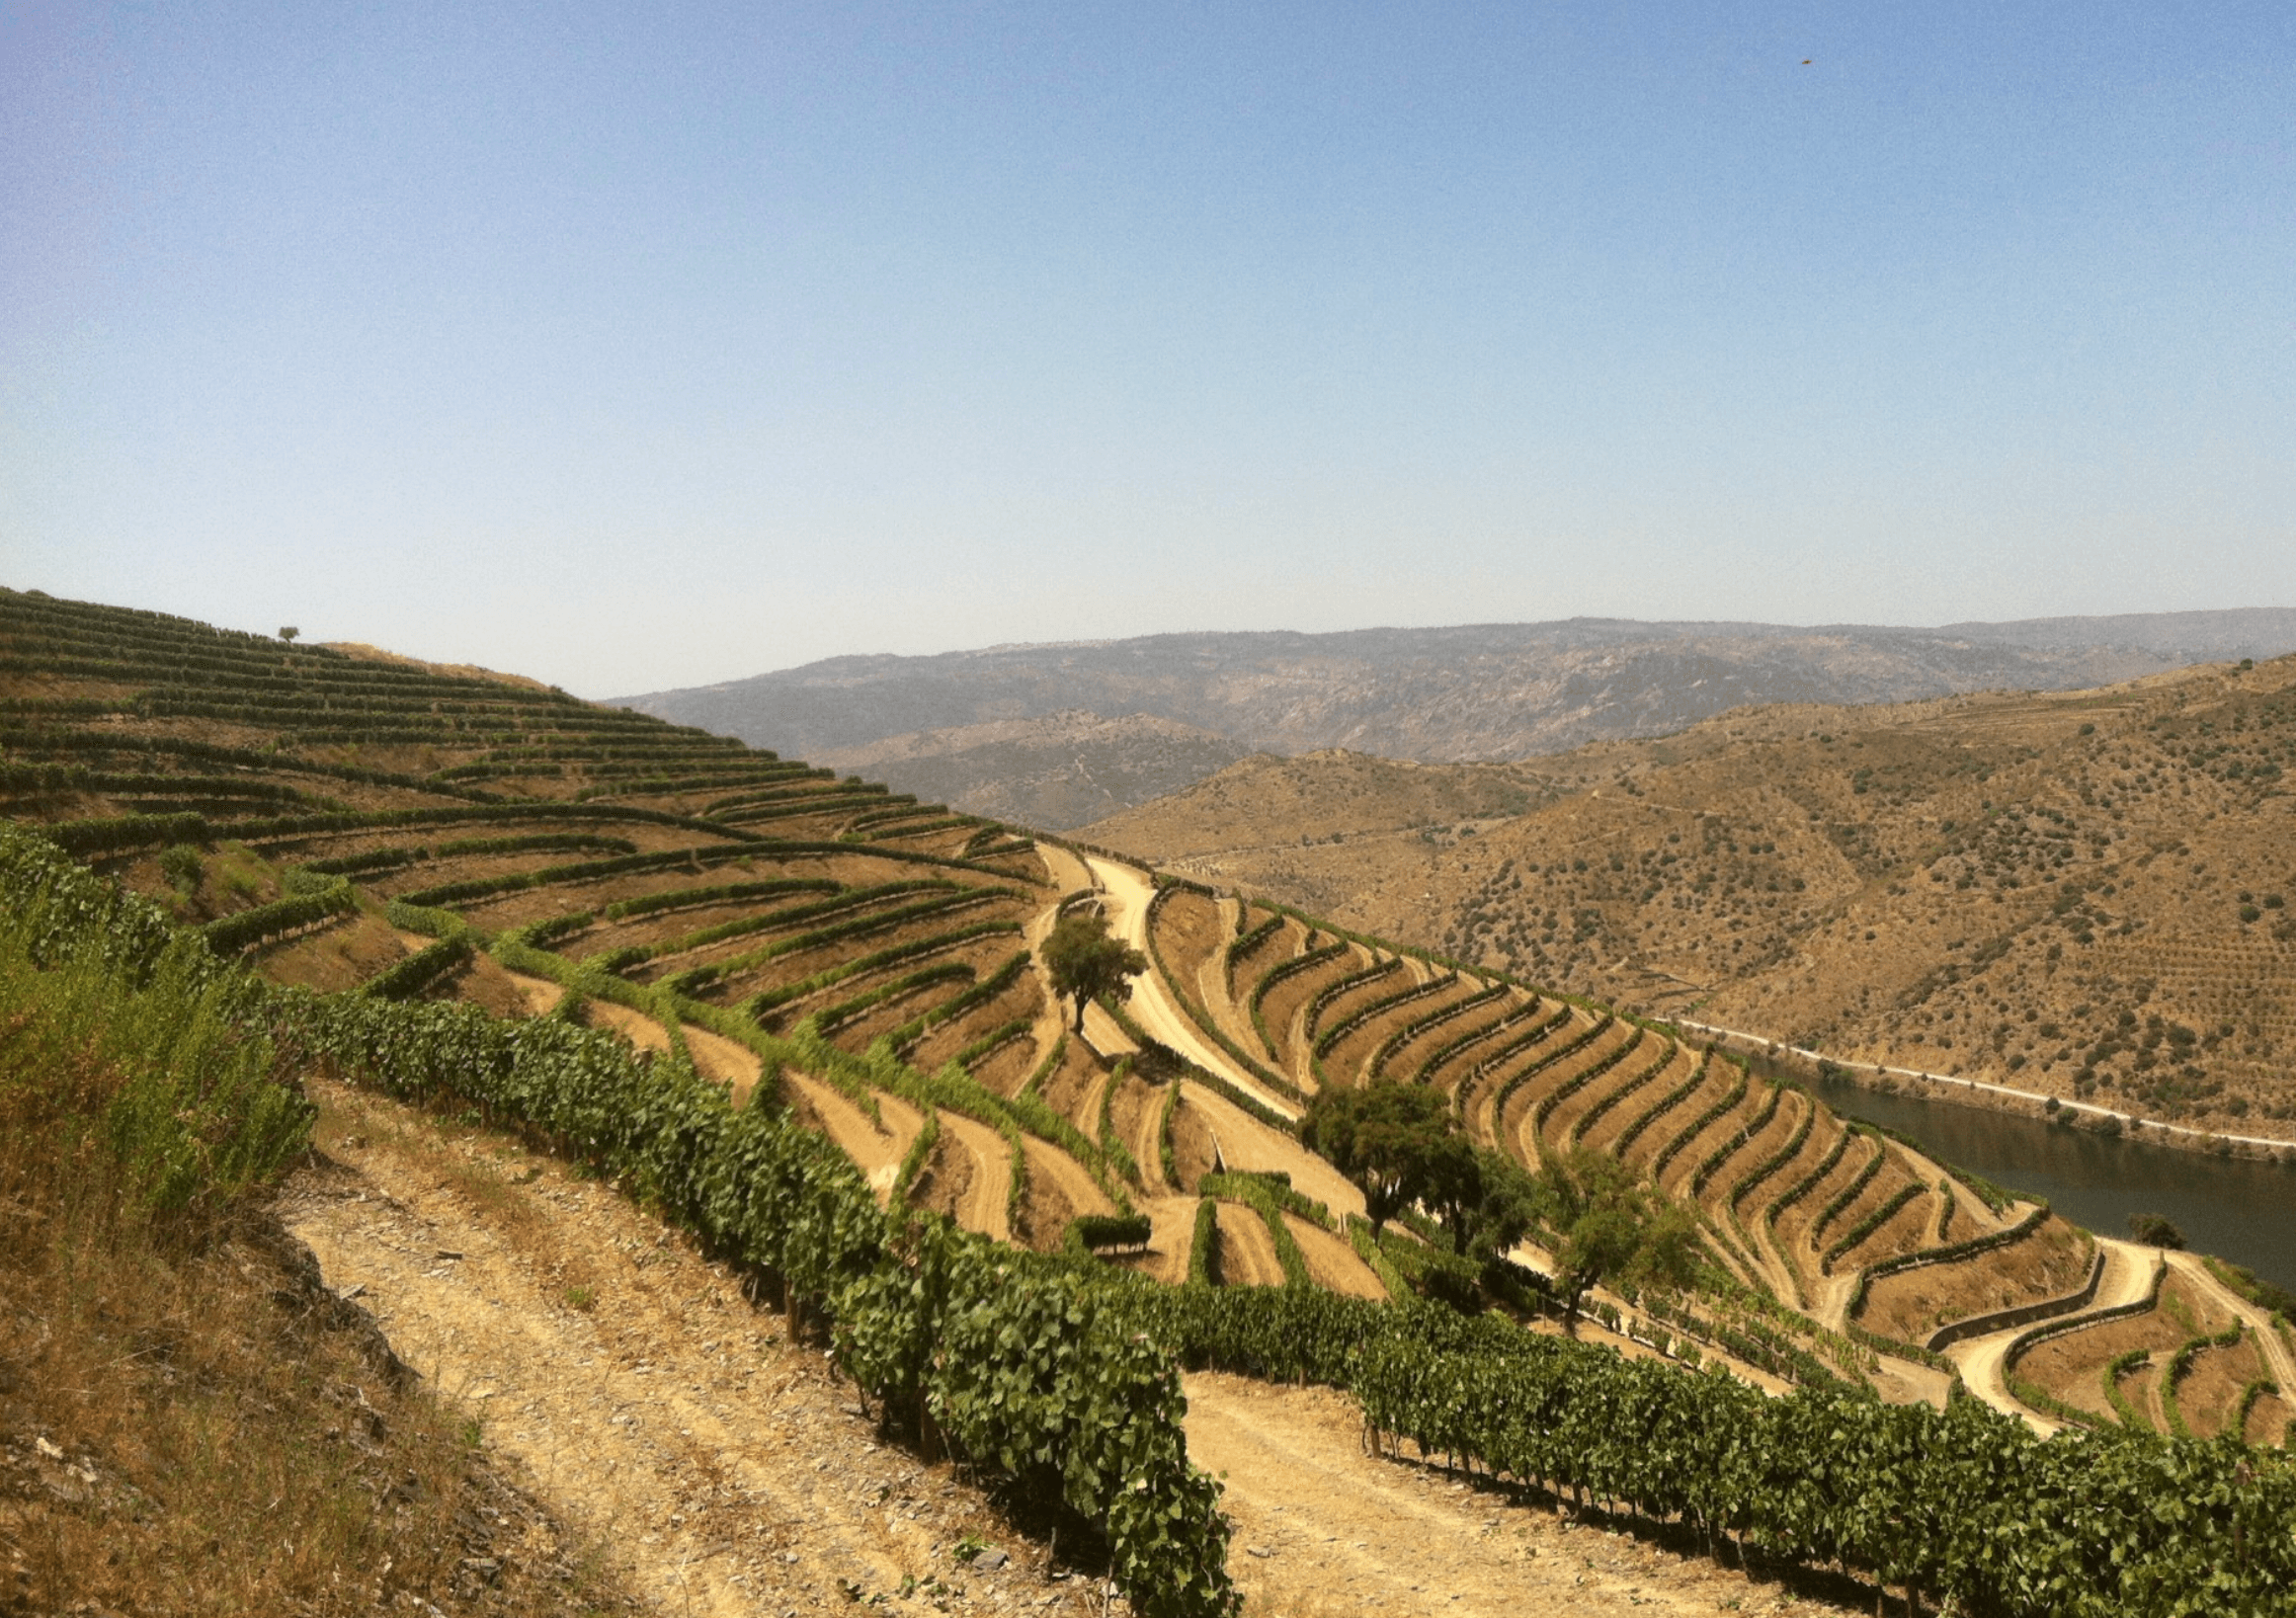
{"type": "Point", "coordinates": [698, 959]}
{"type": "Point", "coordinates": [350, 825]}
{"type": "Point", "coordinates": [1838, 1250]}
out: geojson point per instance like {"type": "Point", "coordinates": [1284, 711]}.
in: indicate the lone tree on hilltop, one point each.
{"type": "Point", "coordinates": [1085, 961]}
{"type": "Point", "coordinates": [289, 631]}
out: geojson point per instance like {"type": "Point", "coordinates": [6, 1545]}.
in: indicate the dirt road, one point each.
{"type": "Point", "coordinates": [987, 1208]}
{"type": "Point", "coordinates": [2128, 1276]}
{"type": "Point", "coordinates": [724, 1471]}
{"type": "Point", "coordinates": [1322, 1528]}
{"type": "Point", "coordinates": [1127, 893]}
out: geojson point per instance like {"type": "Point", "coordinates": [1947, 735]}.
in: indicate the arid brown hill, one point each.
{"type": "Point", "coordinates": [2084, 894]}
{"type": "Point", "coordinates": [1503, 691]}
{"type": "Point", "coordinates": [1054, 772]}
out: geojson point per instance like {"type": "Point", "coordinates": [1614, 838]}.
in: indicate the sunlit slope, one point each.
{"type": "Point", "coordinates": [360, 825]}
{"type": "Point", "coordinates": [2084, 893]}
{"type": "Point", "coordinates": [1851, 1232]}
{"type": "Point", "coordinates": [365, 824]}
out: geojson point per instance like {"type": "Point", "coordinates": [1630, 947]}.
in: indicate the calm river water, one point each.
{"type": "Point", "coordinates": [2235, 1209]}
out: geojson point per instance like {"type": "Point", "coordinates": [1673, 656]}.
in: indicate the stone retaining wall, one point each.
{"type": "Point", "coordinates": [2003, 1319]}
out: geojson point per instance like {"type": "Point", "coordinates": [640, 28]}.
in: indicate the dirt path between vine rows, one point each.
{"type": "Point", "coordinates": [1323, 1528]}
{"type": "Point", "coordinates": [1247, 1251]}
{"type": "Point", "coordinates": [987, 1205]}
{"type": "Point", "coordinates": [1127, 893]}
{"type": "Point", "coordinates": [875, 1151]}
{"type": "Point", "coordinates": [726, 1473]}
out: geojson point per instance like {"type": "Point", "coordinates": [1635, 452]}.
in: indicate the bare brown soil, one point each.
{"type": "Point", "coordinates": [1755, 1149]}
{"type": "Point", "coordinates": [1655, 1136]}
{"type": "Point", "coordinates": [1795, 1225]}
{"type": "Point", "coordinates": [721, 1061]}
{"type": "Point", "coordinates": [1415, 1052]}
{"type": "Point", "coordinates": [483, 982]}
{"type": "Point", "coordinates": [1070, 1087]}
{"type": "Point", "coordinates": [1191, 1142]}
{"type": "Point", "coordinates": [1285, 1001]}
{"type": "Point", "coordinates": [1332, 1262]}
{"type": "Point", "coordinates": [336, 957]}
{"type": "Point", "coordinates": [1171, 1227]}
{"type": "Point", "coordinates": [1903, 1232]}
{"type": "Point", "coordinates": [1190, 930]}
{"type": "Point", "coordinates": [2267, 1420]}
{"type": "Point", "coordinates": [1350, 1056]}
{"type": "Point", "coordinates": [1288, 940]}
{"type": "Point", "coordinates": [1059, 1189]}
{"type": "Point", "coordinates": [1023, 999]}
{"type": "Point", "coordinates": [1325, 1529]}
{"type": "Point", "coordinates": [641, 1030]}
{"type": "Point", "coordinates": [1913, 1303]}
{"type": "Point", "coordinates": [2210, 1395]}
{"type": "Point", "coordinates": [876, 1148]}
{"type": "Point", "coordinates": [1247, 1251]}
{"type": "Point", "coordinates": [1477, 1097]}
{"type": "Point", "coordinates": [1006, 1069]}
{"type": "Point", "coordinates": [724, 1469]}
{"type": "Point", "coordinates": [1815, 1146]}
{"type": "Point", "coordinates": [1343, 1007]}
{"type": "Point", "coordinates": [1132, 1114]}
{"type": "Point", "coordinates": [945, 1184]}
{"type": "Point", "coordinates": [983, 1203]}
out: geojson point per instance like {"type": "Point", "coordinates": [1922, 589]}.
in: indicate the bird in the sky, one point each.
{"type": "Point", "coordinates": [1805, 61]}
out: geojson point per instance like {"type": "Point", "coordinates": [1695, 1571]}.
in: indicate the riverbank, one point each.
{"type": "Point", "coordinates": [1800, 1062]}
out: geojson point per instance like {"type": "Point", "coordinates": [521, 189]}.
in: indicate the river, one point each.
{"type": "Point", "coordinates": [2232, 1207]}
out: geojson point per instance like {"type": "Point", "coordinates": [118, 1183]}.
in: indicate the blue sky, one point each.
{"type": "Point", "coordinates": [636, 346]}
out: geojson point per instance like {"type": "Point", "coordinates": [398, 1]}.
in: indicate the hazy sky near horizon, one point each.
{"type": "Point", "coordinates": [639, 347]}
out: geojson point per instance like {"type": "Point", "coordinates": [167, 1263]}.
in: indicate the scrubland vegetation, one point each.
{"type": "Point", "coordinates": [2083, 893]}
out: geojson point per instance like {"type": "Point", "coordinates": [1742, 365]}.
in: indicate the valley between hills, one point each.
{"type": "Point", "coordinates": [903, 1259]}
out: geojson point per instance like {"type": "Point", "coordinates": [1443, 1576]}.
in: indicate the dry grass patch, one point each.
{"type": "Point", "coordinates": [189, 1421]}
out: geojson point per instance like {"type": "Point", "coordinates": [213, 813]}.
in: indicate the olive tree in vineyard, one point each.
{"type": "Point", "coordinates": [1085, 962]}
{"type": "Point", "coordinates": [1608, 1226]}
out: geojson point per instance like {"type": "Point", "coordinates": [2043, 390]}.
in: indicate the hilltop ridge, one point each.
{"type": "Point", "coordinates": [1474, 691]}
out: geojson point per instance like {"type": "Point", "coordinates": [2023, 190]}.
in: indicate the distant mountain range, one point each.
{"type": "Point", "coordinates": [940, 725]}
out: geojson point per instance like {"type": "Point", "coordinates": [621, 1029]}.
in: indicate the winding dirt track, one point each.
{"type": "Point", "coordinates": [2128, 1276]}
{"type": "Point", "coordinates": [1047, 1163]}
{"type": "Point", "coordinates": [723, 1471]}
{"type": "Point", "coordinates": [876, 1152]}
{"type": "Point", "coordinates": [1128, 892]}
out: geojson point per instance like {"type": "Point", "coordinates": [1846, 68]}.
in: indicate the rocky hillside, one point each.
{"type": "Point", "coordinates": [1477, 692]}
{"type": "Point", "coordinates": [1055, 773]}
{"type": "Point", "coordinates": [2084, 893]}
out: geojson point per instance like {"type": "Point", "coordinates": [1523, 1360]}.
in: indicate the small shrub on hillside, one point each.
{"type": "Point", "coordinates": [183, 867]}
